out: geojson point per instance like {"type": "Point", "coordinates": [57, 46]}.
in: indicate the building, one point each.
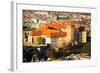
{"type": "Point", "coordinates": [56, 34]}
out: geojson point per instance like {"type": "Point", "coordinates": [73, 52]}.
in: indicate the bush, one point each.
{"type": "Point", "coordinates": [86, 48]}
{"type": "Point", "coordinates": [80, 48]}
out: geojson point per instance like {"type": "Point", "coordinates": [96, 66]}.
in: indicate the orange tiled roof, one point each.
{"type": "Point", "coordinates": [77, 26]}
{"type": "Point", "coordinates": [49, 33]}
{"type": "Point", "coordinates": [57, 26]}
{"type": "Point", "coordinates": [60, 26]}
{"type": "Point", "coordinates": [70, 22]}
{"type": "Point", "coordinates": [44, 30]}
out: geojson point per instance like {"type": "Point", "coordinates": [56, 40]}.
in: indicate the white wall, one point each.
{"type": "Point", "coordinates": [48, 40]}
{"type": "Point", "coordinates": [5, 35]}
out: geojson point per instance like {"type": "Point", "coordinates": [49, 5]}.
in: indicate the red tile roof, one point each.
{"type": "Point", "coordinates": [55, 31]}
{"type": "Point", "coordinates": [49, 33]}
{"type": "Point", "coordinates": [57, 26]}
{"type": "Point", "coordinates": [77, 26]}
